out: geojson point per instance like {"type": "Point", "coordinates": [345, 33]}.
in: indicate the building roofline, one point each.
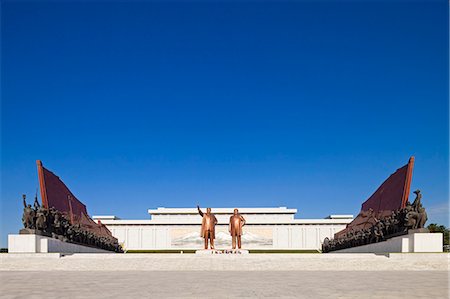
{"type": "Point", "coordinates": [249, 222]}
{"type": "Point", "coordinates": [270, 210]}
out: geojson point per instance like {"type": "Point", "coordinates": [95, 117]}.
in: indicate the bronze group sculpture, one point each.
{"type": "Point", "coordinates": [208, 230]}
{"type": "Point", "coordinates": [399, 222]}
{"type": "Point", "coordinates": [51, 222]}
{"type": "Point", "coordinates": [235, 228]}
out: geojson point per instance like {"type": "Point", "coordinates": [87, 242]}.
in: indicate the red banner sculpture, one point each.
{"type": "Point", "coordinates": [391, 195]}
{"type": "Point", "coordinates": [54, 193]}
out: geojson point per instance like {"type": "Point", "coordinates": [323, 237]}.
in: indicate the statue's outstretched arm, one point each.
{"type": "Point", "coordinates": [200, 211]}
{"type": "Point", "coordinates": [36, 203]}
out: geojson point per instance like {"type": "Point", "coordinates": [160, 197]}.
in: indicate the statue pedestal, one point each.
{"type": "Point", "coordinates": [32, 231]}
{"type": "Point", "coordinates": [217, 251]}
{"type": "Point", "coordinates": [418, 230]}
{"type": "Point", "coordinates": [32, 243]}
{"type": "Point", "coordinates": [412, 242]}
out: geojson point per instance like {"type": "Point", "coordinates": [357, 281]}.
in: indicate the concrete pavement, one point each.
{"type": "Point", "coordinates": [224, 284]}
{"type": "Point", "coordinates": [224, 276]}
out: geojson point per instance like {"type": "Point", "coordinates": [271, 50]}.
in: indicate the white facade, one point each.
{"type": "Point", "coordinates": [266, 228]}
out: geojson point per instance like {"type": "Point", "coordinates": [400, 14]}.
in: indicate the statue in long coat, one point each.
{"type": "Point", "coordinates": [208, 231]}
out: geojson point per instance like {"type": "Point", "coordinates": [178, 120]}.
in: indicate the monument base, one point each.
{"type": "Point", "coordinates": [32, 231]}
{"type": "Point", "coordinates": [412, 242]}
{"type": "Point", "coordinates": [418, 230]}
{"type": "Point", "coordinates": [216, 251]}
{"type": "Point", "coordinates": [32, 243]}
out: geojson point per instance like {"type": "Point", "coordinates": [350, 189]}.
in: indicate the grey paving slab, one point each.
{"type": "Point", "coordinates": [220, 284]}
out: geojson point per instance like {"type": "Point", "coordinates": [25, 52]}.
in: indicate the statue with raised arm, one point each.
{"type": "Point", "coordinates": [416, 216]}
{"type": "Point", "coordinates": [36, 203]}
{"type": "Point", "coordinates": [209, 222]}
{"type": "Point", "coordinates": [28, 214]}
{"type": "Point", "coordinates": [235, 228]}
{"type": "Point", "coordinates": [417, 204]}
{"type": "Point", "coordinates": [41, 215]}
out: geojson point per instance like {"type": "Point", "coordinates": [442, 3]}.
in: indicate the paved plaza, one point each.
{"type": "Point", "coordinates": [225, 284]}
{"type": "Point", "coordinates": [224, 276]}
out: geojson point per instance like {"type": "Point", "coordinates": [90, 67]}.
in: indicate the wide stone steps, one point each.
{"type": "Point", "coordinates": [250, 262]}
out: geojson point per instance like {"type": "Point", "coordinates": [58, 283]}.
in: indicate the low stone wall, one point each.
{"type": "Point", "coordinates": [413, 242]}
{"type": "Point", "coordinates": [43, 244]}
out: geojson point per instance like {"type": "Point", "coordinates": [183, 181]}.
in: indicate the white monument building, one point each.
{"type": "Point", "coordinates": [266, 228]}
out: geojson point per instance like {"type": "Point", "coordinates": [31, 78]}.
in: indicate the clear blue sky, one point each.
{"type": "Point", "coordinates": [299, 104]}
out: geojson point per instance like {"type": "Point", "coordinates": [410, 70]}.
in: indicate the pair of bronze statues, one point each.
{"type": "Point", "coordinates": [208, 231]}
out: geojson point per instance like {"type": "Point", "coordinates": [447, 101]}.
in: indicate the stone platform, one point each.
{"type": "Point", "coordinates": [412, 242]}
{"type": "Point", "coordinates": [219, 251]}
{"type": "Point", "coordinates": [30, 243]}
{"type": "Point", "coordinates": [224, 262]}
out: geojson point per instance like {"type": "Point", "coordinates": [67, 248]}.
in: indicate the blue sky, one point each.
{"type": "Point", "coordinates": [309, 105]}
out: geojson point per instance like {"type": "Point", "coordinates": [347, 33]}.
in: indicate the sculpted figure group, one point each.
{"type": "Point", "coordinates": [208, 229]}
{"type": "Point", "coordinates": [412, 216]}
{"type": "Point", "coordinates": [52, 222]}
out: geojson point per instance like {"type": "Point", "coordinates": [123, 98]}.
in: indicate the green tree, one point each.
{"type": "Point", "coordinates": [436, 228]}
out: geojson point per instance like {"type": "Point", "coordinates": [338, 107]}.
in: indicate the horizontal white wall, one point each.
{"type": "Point", "coordinates": [141, 237]}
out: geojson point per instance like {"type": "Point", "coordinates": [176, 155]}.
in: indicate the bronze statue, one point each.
{"type": "Point", "coordinates": [416, 216]}
{"type": "Point", "coordinates": [41, 215]}
{"type": "Point", "coordinates": [36, 203]}
{"type": "Point", "coordinates": [235, 228]}
{"type": "Point", "coordinates": [28, 214]}
{"type": "Point", "coordinates": [41, 219]}
{"type": "Point", "coordinates": [209, 222]}
{"type": "Point", "coordinates": [57, 223]}
{"type": "Point", "coordinates": [325, 244]}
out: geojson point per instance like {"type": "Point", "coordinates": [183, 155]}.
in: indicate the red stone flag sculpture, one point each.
{"type": "Point", "coordinates": [391, 195]}
{"type": "Point", "coordinates": [54, 193]}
